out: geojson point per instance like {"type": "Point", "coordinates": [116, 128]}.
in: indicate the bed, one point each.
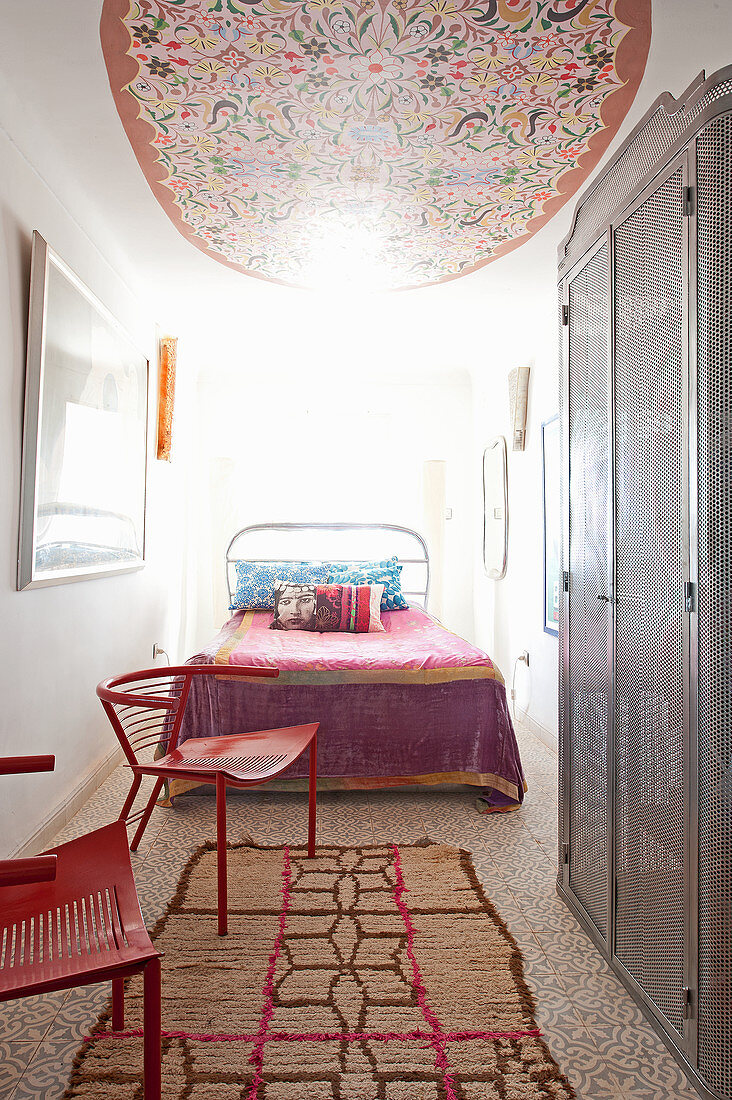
{"type": "Point", "coordinates": [414, 704]}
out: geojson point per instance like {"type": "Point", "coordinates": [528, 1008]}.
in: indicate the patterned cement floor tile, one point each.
{"type": "Point", "coordinates": [358, 833]}
{"type": "Point", "coordinates": [397, 835]}
{"type": "Point", "coordinates": [29, 1018]}
{"type": "Point", "coordinates": [78, 1013]}
{"type": "Point", "coordinates": [649, 1072]}
{"type": "Point", "coordinates": [48, 1072]}
{"type": "Point", "coordinates": [570, 949]}
{"type": "Point", "coordinates": [489, 875]}
{"type": "Point", "coordinates": [544, 911]}
{"type": "Point", "coordinates": [588, 1072]}
{"type": "Point", "coordinates": [555, 1009]}
{"type": "Point", "coordinates": [14, 1060]}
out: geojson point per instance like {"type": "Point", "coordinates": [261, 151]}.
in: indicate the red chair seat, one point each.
{"type": "Point", "coordinates": [79, 928]}
{"type": "Point", "coordinates": [79, 923]}
{"type": "Point", "coordinates": [242, 757]}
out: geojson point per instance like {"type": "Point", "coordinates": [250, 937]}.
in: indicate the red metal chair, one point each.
{"type": "Point", "coordinates": [71, 917]}
{"type": "Point", "coordinates": [146, 710]}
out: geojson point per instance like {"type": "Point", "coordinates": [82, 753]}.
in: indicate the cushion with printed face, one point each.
{"type": "Point", "coordinates": [294, 606]}
{"type": "Point", "coordinates": [255, 581]}
{"type": "Point", "coordinates": [386, 572]}
{"type": "Point", "coordinates": [349, 608]}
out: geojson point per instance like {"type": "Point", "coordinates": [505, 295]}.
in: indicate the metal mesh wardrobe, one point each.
{"type": "Point", "coordinates": [645, 279]}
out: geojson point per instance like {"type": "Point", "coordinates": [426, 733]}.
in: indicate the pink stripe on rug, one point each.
{"type": "Point", "coordinates": [437, 1038]}
{"type": "Point", "coordinates": [322, 1036]}
{"type": "Point", "coordinates": [257, 1055]}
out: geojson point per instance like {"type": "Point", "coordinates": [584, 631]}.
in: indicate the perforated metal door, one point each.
{"type": "Point", "coordinates": [650, 428]}
{"type": "Point", "coordinates": [714, 216]}
{"type": "Point", "coordinates": [587, 558]}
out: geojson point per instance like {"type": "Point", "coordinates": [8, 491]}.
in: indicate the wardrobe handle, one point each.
{"type": "Point", "coordinates": [605, 599]}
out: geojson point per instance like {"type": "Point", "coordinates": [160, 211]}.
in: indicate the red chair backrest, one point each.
{"type": "Point", "coordinates": [146, 708]}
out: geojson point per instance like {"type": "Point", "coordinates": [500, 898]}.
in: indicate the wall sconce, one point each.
{"type": "Point", "coordinates": [518, 394]}
{"type": "Point", "coordinates": [166, 395]}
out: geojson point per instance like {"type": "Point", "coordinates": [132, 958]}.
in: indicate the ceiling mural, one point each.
{"type": "Point", "coordinates": [395, 143]}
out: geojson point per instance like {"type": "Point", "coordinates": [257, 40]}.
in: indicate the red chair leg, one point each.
{"type": "Point", "coordinates": [136, 781]}
{"type": "Point", "coordinates": [151, 1030]}
{"type": "Point", "coordinates": [313, 791]}
{"type": "Point", "coordinates": [118, 1004]}
{"type": "Point", "coordinates": [146, 815]}
{"type": "Point", "coordinates": [223, 892]}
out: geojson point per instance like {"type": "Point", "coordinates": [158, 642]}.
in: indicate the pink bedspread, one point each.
{"type": "Point", "coordinates": [413, 704]}
{"type": "Point", "coordinates": [413, 648]}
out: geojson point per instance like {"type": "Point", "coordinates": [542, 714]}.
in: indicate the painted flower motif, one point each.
{"type": "Point", "coordinates": [146, 35]}
{"type": "Point", "coordinates": [160, 68]}
{"type": "Point", "coordinates": [430, 82]}
{"type": "Point", "coordinates": [489, 61]}
{"type": "Point", "coordinates": [369, 133]}
{"type": "Point", "coordinates": [570, 152]}
{"type": "Point", "coordinates": [341, 26]}
{"type": "Point", "coordinates": [538, 82]}
{"type": "Point", "coordinates": [316, 81]}
{"type": "Point", "coordinates": [376, 67]}
{"type": "Point", "coordinates": [420, 30]}
{"type": "Point", "coordinates": [206, 68]}
{"type": "Point", "coordinates": [233, 59]}
{"type": "Point", "coordinates": [513, 72]}
{"type": "Point", "coordinates": [314, 49]}
{"type": "Point", "coordinates": [142, 86]}
{"type": "Point", "coordinates": [266, 72]}
{"type": "Point", "coordinates": [363, 174]}
{"type": "Point", "coordinates": [586, 83]}
{"type": "Point", "coordinates": [200, 42]}
{"type": "Point", "coordinates": [438, 55]}
{"type": "Point", "coordinates": [599, 58]}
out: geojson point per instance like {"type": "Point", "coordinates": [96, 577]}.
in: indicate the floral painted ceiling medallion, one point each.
{"type": "Point", "coordinates": [394, 143]}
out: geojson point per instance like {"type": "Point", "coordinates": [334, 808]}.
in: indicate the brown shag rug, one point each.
{"type": "Point", "coordinates": [364, 974]}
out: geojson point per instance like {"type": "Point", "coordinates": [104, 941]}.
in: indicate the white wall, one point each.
{"type": "Point", "coordinates": [56, 643]}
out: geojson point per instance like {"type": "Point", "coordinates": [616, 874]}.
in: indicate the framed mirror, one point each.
{"type": "Point", "coordinates": [495, 509]}
{"type": "Point", "coordinates": [82, 510]}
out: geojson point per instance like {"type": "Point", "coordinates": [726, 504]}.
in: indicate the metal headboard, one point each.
{"type": "Point", "coordinates": [419, 561]}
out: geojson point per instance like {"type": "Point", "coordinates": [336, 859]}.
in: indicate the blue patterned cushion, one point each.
{"type": "Point", "coordinates": [255, 582]}
{"type": "Point", "coordinates": [387, 573]}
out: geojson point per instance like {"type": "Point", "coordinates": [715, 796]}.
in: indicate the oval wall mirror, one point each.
{"type": "Point", "coordinates": [495, 509]}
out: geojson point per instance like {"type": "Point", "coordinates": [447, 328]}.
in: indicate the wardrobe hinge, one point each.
{"type": "Point", "coordinates": [565, 581]}
{"type": "Point", "coordinates": [688, 1001]}
{"type": "Point", "coordinates": [689, 595]}
{"type": "Point", "coordinates": [565, 315]}
{"type": "Point", "coordinates": [688, 201]}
